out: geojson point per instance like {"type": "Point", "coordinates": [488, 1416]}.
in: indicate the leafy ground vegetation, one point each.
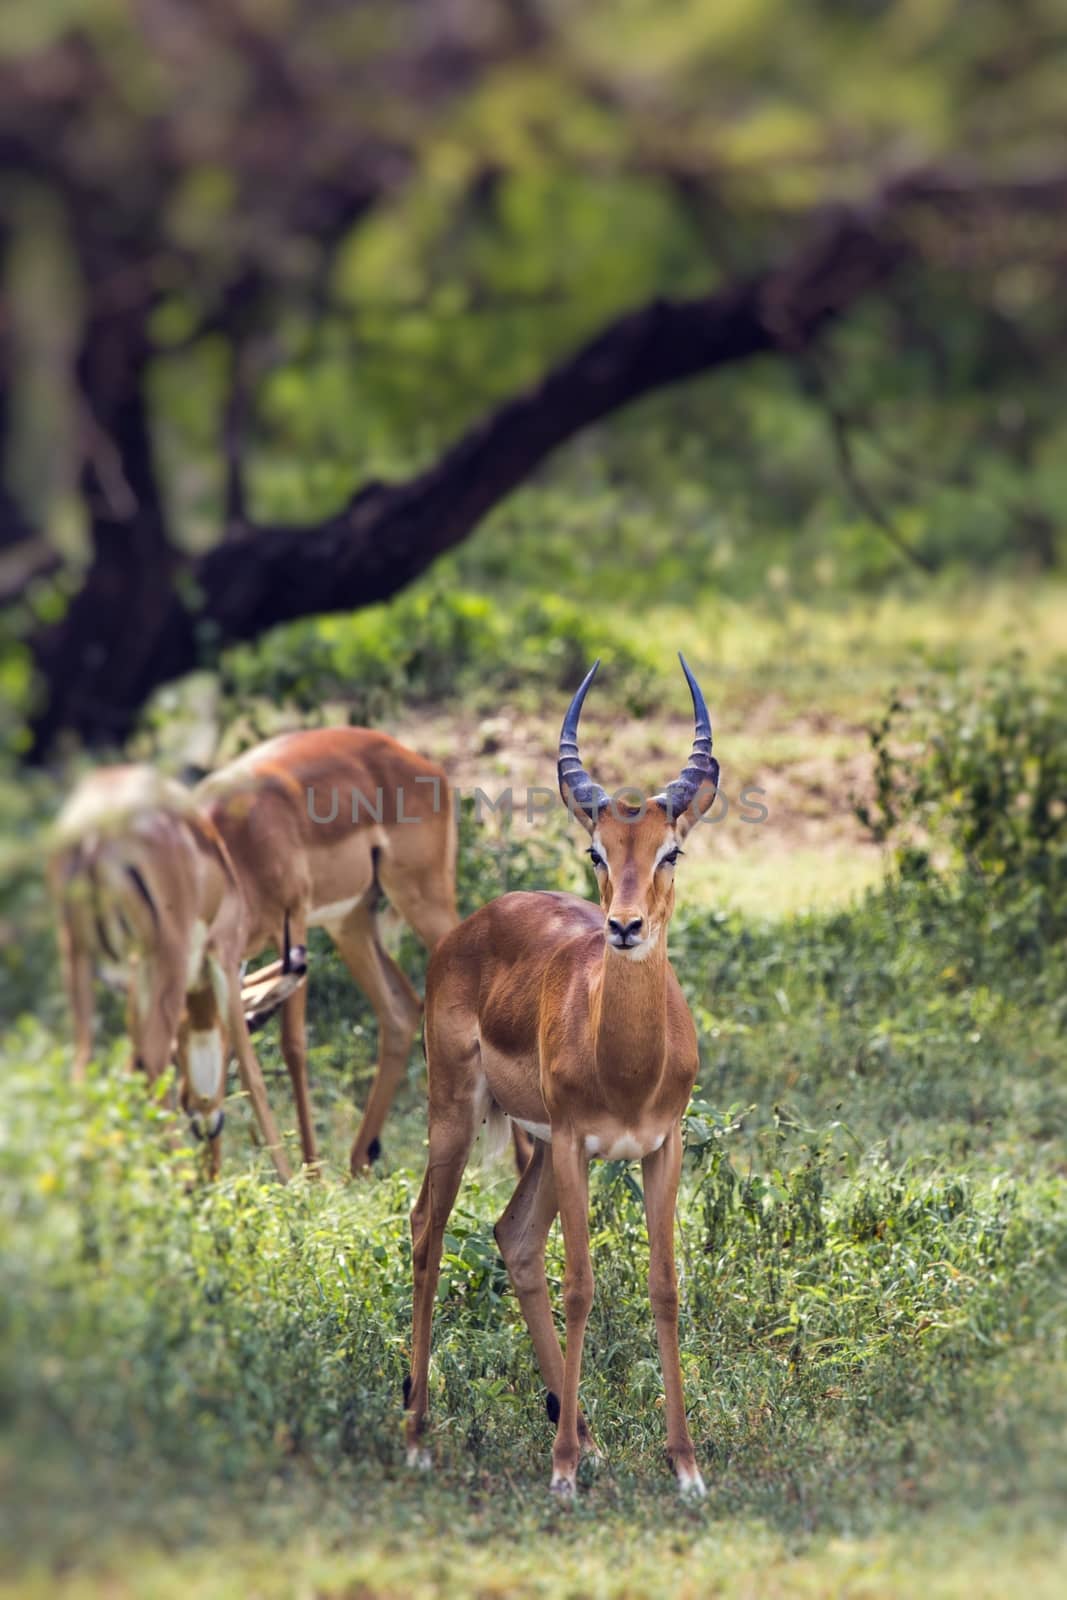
{"type": "Point", "coordinates": [200, 1389]}
{"type": "Point", "coordinates": [255, 271]}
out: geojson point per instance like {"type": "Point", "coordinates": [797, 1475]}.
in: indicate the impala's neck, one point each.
{"type": "Point", "coordinates": [629, 1016]}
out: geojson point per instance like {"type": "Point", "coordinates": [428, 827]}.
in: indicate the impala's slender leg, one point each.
{"type": "Point", "coordinates": [294, 1046]}
{"type": "Point", "coordinates": [662, 1171]}
{"type": "Point", "coordinates": [252, 1078]}
{"type": "Point", "coordinates": [523, 1148]}
{"type": "Point", "coordinates": [77, 969]}
{"type": "Point", "coordinates": [521, 1234]}
{"type": "Point", "coordinates": [450, 1143]}
{"type": "Point", "coordinates": [397, 1008]}
{"type": "Point", "coordinates": [571, 1168]}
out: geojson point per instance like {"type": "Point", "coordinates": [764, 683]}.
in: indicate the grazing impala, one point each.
{"type": "Point", "coordinates": [147, 896]}
{"type": "Point", "coordinates": [319, 826]}
{"type": "Point", "coordinates": [567, 1018]}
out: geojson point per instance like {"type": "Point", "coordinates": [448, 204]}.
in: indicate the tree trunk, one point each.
{"type": "Point", "coordinates": [97, 663]}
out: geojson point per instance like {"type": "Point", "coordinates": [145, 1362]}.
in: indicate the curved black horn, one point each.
{"type": "Point", "coordinates": [702, 767]}
{"type": "Point", "coordinates": [575, 784]}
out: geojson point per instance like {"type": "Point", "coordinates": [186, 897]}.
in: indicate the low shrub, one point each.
{"type": "Point", "coordinates": [972, 776]}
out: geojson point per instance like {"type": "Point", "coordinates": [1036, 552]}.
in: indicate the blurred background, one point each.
{"type": "Point", "coordinates": [265, 265]}
{"type": "Point", "coordinates": [386, 363]}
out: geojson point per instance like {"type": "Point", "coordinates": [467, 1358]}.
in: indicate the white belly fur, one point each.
{"type": "Point", "coordinates": [626, 1146]}
{"type": "Point", "coordinates": [623, 1146]}
{"type": "Point", "coordinates": [336, 911]}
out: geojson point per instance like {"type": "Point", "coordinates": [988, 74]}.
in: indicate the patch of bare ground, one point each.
{"type": "Point", "coordinates": [806, 769]}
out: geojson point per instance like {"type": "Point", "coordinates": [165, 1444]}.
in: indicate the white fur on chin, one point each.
{"type": "Point", "coordinates": [637, 952]}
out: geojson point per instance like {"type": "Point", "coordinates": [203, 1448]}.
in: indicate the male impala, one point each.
{"type": "Point", "coordinates": [567, 1018]}
{"type": "Point", "coordinates": [319, 826]}
{"type": "Point", "coordinates": [147, 895]}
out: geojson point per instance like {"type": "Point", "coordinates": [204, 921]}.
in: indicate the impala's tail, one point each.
{"type": "Point", "coordinates": [497, 1134]}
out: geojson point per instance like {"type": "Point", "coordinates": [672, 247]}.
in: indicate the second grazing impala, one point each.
{"type": "Point", "coordinates": [320, 825]}
{"type": "Point", "coordinates": [147, 895]}
{"type": "Point", "coordinates": [567, 1018]}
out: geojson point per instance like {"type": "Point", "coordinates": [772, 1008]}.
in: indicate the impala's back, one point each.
{"type": "Point", "coordinates": [315, 818]}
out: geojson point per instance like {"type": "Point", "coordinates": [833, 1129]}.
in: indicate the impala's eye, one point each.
{"type": "Point", "coordinates": [671, 857]}
{"type": "Point", "coordinates": [596, 858]}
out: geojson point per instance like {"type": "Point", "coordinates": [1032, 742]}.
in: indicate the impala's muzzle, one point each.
{"type": "Point", "coordinates": [202, 1061]}
{"type": "Point", "coordinates": [207, 1124]}
{"type": "Point", "coordinates": [626, 932]}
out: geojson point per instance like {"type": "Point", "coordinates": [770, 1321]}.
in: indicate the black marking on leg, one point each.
{"type": "Point", "coordinates": [552, 1406]}
{"type": "Point", "coordinates": [407, 1391]}
{"type": "Point", "coordinates": [376, 894]}
{"type": "Point", "coordinates": [99, 920]}
{"type": "Point", "coordinates": [142, 889]}
{"type": "Point", "coordinates": [103, 940]}
{"type": "Point", "coordinates": [374, 1150]}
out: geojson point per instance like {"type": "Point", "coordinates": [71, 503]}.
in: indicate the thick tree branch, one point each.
{"type": "Point", "coordinates": [390, 533]}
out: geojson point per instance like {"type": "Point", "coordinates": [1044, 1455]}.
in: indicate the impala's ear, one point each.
{"type": "Point", "coordinates": [701, 802]}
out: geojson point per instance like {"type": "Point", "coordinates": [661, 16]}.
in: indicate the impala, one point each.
{"type": "Point", "coordinates": [320, 826]}
{"type": "Point", "coordinates": [567, 1018]}
{"type": "Point", "coordinates": [147, 897]}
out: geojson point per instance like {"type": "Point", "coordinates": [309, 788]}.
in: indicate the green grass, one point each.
{"type": "Point", "coordinates": [774, 883]}
{"type": "Point", "coordinates": [200, 1389]}
{"type": "Point", "coordinates": [832, 655]}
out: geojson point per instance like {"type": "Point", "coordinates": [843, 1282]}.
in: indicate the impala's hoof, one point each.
{"type": "Point", "coordinates": [419, 1458]}
{"type": "Point", "coordinates": [690, 1484]}
{"type": "Point", "coordinates": [363, 1166]}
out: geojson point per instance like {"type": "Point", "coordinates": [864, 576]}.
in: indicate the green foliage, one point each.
{"type": "Point", "coordinates": [871, 1244]}
{"type": "Point", "coordinates": [27, 933]}
{"type": "Point", "coordinates": [977, 769]}
{"type": "Point", "coordinates": [531, 195]}
{"type": "Point", "coordinates": [431, 644]}
{"type": "Point", "coordinates": [854, 1291]}
{"type": "Point", "coordinates": [873, 1210]}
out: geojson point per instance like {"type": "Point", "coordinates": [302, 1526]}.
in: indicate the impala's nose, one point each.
{"type": "Point", "coordinates": [207, 1124]}
{"type": "Point", "coordinates": [625, 931]}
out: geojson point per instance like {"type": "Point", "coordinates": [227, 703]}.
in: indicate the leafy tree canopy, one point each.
{"type": "Point", "coordinates": [258, 256]}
